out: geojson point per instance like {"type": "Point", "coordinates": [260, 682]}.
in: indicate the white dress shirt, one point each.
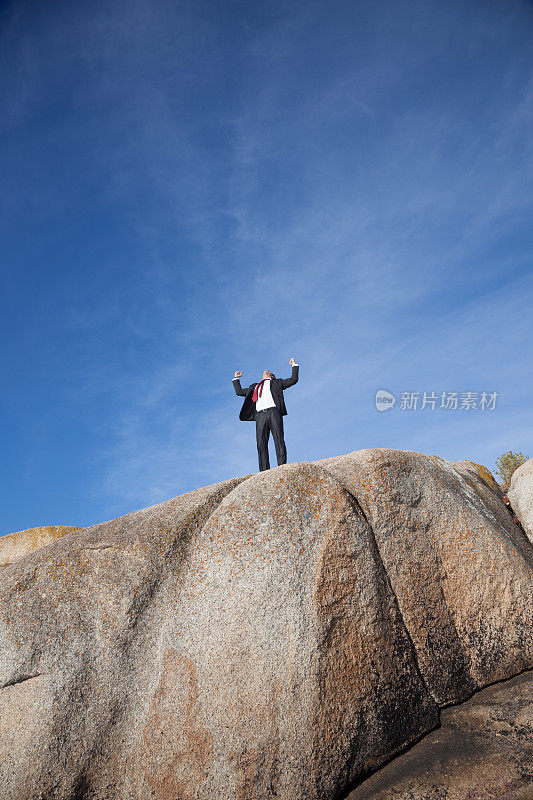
{"type": "Point", "coordinates": [266, 400]}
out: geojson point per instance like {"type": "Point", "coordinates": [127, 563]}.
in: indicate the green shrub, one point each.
{"type": "Point", "coordinates": [506, 465]}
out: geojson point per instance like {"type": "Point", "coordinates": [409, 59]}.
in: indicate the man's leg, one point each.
{"type": "Point", "coordinates": [262, 432]}
{"type": "Point", "coordinates": [276, 423]}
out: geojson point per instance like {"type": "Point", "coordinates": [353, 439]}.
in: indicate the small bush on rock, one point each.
{"type": "Point", "coordinates": [506, 465]}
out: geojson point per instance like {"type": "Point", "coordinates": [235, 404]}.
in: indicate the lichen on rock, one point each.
{"type": "Point", "coordinates": [275, 635]}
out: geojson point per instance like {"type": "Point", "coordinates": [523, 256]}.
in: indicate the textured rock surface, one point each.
{"type": "Point", "coordinates": [15, 545]}
{"type": "Point", "coordinates": [482, 751]}
{"type": "Point", "coordinates": [520, 495]}
{"type": "Point", "coordinates": [276, 635]}
{"type": "Point", "coordinates": [450, 549]}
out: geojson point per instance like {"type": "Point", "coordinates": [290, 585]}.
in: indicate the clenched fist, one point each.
{"type": "Point", "coordinates": [292, 362]}
{"type": "Point", "coordinates": [238, 374]}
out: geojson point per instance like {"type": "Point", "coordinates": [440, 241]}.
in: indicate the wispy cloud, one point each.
{"type": "Point", "coordinates": [351, 281]}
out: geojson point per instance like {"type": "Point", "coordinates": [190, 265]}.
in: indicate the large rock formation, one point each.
{"type": "Point", "coordinates": [275, 635]}
{"type": "Point", "coordinates": [520, 495]}
{"type": "Point", "coordinates": [15, 545]}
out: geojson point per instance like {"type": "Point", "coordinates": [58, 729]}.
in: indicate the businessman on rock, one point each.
{"type": "Point", "coordinates": [264, 403]}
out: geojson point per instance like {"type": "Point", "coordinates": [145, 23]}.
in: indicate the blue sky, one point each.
{"type": "Point", "coordinates": [192, 188]}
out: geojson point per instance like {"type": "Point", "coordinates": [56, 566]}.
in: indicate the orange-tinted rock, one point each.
{"type": "Point", "coordinates": [15, 545]}
{"type": "Point", "coordinates": [276, 635]}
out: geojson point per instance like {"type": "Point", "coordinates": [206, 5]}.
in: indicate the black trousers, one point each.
{"type": "Point", "coordinates": [270, 419]}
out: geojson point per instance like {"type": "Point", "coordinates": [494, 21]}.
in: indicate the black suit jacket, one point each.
{"type": "Point", "coordinates": [277, 385]}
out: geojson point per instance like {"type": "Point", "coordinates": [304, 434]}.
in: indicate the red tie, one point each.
{"type": "Point", "coordinates": [258, 391]}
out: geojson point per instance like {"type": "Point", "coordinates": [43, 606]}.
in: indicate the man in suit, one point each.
{"type": "Point", "coordinates": [264, 403]}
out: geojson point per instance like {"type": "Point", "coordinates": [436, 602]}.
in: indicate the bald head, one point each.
{"type": "Point", "coordinates": [267, 374]}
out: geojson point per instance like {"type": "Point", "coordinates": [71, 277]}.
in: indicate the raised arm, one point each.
{"type": "Point", "coordinates": [237, 385]}
{"type": "Point", "coordinates": [286, 382]}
